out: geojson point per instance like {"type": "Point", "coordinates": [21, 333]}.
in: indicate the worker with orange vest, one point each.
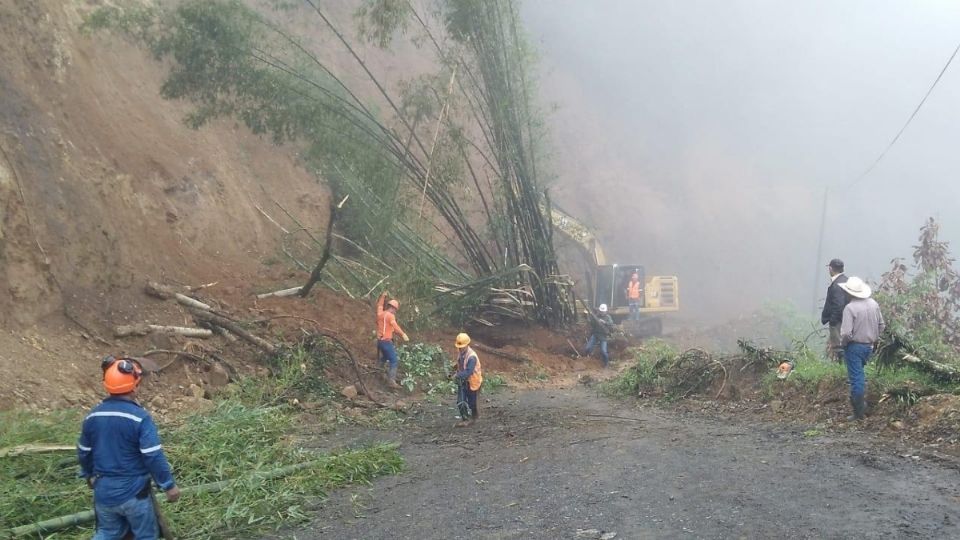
{"type": "Point", "coordinates": [469, 377]}
{"type": "Point", "coordinates": [386, 326]}
{"type": "Point", "coordinates": [634, 295]}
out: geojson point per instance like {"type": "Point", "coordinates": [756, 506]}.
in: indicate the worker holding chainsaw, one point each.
{"type": "Point", "coordinates": [601, 326]}
{"type": "Point", "coordinates": [119, 452]}
{"type": "Point", "coordinates": [386, 326]}
{"type": "Point", "coordinates": [469, 377]}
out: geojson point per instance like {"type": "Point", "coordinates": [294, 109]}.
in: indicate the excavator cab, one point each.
{"type": "Point", "coordinates": [660, 295]}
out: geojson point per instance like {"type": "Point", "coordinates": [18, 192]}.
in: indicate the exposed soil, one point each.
{"type": "Point", "coordinates": [547, 463]}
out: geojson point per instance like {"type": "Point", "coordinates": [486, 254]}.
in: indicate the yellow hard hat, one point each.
{"type": "Point", "coordinates": [462, 340]}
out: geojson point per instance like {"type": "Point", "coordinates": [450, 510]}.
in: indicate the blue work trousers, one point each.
{"type": "Point", "coordinates": [388, 354]}
{"type": "Point", "coordinates": [469, 396]}
{"type": "Point", "coordinates": [592, 342]}
{"type": "Point", "coordinates": [635, 310]}
{"type": "Point", "coordinates": [135, 515]}
{"type": "Point", "coordinates": [855, 355]}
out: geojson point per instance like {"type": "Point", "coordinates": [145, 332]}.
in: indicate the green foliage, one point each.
{"type": "Point", "coordinates": [228, 60]}
{"type": "Point", "coordinates": [295, 372]}
{"type": "Point", "coordinates": [905, 383]}
{"type": "Point", "coordinates": [379, 20]}
{"type": "Point", "coordinates": [40, 484]}
{"type": "Point", "coordinates": [424, 368]}
{"type": "Point", "coordinates": [642, 375]}
{"type": "Point", "coordinates": [493, 382]}
{"type": "Point", "coordinates": [234, 441]}
{"type": "Point", "coordinates": [920, 306]}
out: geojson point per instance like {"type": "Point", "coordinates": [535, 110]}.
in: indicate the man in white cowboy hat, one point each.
{"type": "Point", "coordinates": [859, 331]}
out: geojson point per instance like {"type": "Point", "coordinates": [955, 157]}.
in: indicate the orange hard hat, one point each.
{"type": "Point", "coordinates": [122, 376]}
{"type": "Point", "coordinates": [394, 304]}
{"type": "Point", "coordinates": [462, 340]}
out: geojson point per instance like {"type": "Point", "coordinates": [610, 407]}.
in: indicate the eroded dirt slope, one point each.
{"type": "Point", "coordinates": [102, 187]}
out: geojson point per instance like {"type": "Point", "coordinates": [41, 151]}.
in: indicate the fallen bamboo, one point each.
{"type": "Point", "coordinates": [165, 292]}
{"type": "Point", "coordinates": [281, 293]}
{"type": "Point", "coordinates": [87, 516]}
{"type": "Point", "coordinates": [29, 449]}
{"type": "Point", "coordinates": [146, 329]}
{"type": "Point", "coordinates": [216, 320]}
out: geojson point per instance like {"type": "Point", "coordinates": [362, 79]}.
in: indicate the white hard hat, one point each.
{"type": "Point", "coordinates": [603, 308]}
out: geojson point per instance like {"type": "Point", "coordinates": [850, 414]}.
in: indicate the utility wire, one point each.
{"type": "Point", "coordinates": [904, 128]}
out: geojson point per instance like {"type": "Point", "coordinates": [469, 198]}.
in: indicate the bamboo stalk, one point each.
{"type": "Point", "coordinates": [87, 516]}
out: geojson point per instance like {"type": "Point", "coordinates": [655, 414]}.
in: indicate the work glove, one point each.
{"type": "Point", "coordinates": [406, 337]}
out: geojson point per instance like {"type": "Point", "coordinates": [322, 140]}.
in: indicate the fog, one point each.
{"type": "Point", "coordinates": [698, 137]}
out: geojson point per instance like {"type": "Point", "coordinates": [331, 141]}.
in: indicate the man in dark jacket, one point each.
{"type": "Point", "coordinates": [833, 309]}
{"type": "Point", "coordinates": [601, 326]}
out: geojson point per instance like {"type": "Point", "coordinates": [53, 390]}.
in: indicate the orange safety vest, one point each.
{"type": "Point", "coordinates": [474, 381]}
{"type": "Point", "coordinates": [633, 290]}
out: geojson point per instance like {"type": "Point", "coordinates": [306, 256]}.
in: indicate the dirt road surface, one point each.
{"type": "Point", "coordinates": [550, 463]}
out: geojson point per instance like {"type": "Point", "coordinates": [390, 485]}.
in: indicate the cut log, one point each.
{"type": "Point", "coordinates": [145, 329]}
{"type": "Point", "coordinates": [216, 320]}
{"type": "Point", "coordinates": [157, 290]}
{"type": "Point", "coordinates": [281, 293]}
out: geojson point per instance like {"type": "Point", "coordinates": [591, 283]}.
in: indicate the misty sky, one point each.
{"type": "Point", "coordinates": [699, 136]}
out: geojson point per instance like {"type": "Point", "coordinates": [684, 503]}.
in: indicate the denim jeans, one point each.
{"type": "Point", "coordinates": [635, 310]}
{"type": "Point", "coordinates": [855, 355]}
{"type": "Point", "coordinates": [603, 347]}
{"type": "Point", "coordinates": [388, 353]}
{"type": "Point", "coordinates": [135, 515]}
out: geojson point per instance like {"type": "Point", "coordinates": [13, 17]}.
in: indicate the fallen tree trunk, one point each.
{"type": "Point", "coordinates": [145, 329]}
{"type": "Point", "coordinates": [216, 320]}
{"type": "Point", "coordinates": [941, 370]}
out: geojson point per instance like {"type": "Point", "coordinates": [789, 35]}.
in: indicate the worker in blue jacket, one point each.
{"type": "Point", "coordinates": [119, 452]}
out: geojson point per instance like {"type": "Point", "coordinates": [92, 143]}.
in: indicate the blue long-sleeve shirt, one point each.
{"type": "Point", "coordinates": [468, 368]}
{"type": "Point", "coordinates": [119, 447]}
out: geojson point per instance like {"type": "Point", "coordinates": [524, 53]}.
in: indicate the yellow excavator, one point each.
{"type": "Point", "coordinates": [607, 283]}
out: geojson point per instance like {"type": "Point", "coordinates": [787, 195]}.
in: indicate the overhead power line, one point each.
{"type": "Point", "coordinates": [912, 116]}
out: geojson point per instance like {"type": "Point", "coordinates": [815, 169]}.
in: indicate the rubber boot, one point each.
{"type": "Point", "coordinates": [859, 406]}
